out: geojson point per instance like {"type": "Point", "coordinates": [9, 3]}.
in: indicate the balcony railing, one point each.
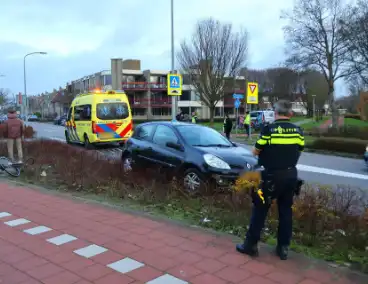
{"type": "Point", "coordinates": [144, 102]}
{"type": "Point", "coordinates": [143, 86]}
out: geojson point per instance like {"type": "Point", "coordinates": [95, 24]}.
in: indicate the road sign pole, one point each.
{"type": "Point", "coordinates": [250, 123]}
{"type": "Point", "coordinates": [236, 121]}
{"type": "Point", "coordinates": [173, 98]}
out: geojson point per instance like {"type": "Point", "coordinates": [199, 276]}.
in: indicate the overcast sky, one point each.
{"type": "Point", "coordinates": [80, 36]}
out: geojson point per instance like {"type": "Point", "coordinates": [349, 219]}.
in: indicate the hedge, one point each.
{"type": "Point", "coordinates": [335, 144]}
{"type": "Point", "coordinates": [332, 221]}
{"type": "Point", "coordinates": [346, 131]}
{"type": "Point", "coordinates": [353, 115]}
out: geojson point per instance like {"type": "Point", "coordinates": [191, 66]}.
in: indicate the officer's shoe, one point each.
{"type": "Point", "coordinates": [248, 248]}
{"type": "Point", "coordinates": [282, 252]}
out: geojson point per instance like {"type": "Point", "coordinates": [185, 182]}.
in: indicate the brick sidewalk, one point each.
{"type": "Point", "coordinates": [49, 239]}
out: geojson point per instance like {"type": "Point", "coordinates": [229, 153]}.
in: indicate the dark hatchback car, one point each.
{"type": "Point", "coordinates": [197, 154]}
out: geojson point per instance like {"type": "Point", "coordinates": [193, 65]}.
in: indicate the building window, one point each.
{"type": "Point", "coordinates": [161, 111]}
{"type": "Point", "coordinates": [219, 111]}
{"type": "Point", "coordinates": [139, 111]}
{"type": "Point", "coordinates": [185, 96]}
{"type": "Point", "coordinates": [107, 79]}
{"type": "Point", "coordinates": [229, 110]}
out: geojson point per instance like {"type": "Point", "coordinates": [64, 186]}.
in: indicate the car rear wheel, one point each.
{"type": "Point", "coordinates": [193, 181]}
{"type": "Point", "coordinates": [67, 139]}
{"type": "Point", "coordinates": [87, 144]}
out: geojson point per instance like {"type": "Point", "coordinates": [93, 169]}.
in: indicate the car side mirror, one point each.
{"type": "Point", "coordinates": [175, 146]}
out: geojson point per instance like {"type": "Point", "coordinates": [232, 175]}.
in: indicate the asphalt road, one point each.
{"type": "Point", "coordinates": [314, 168]}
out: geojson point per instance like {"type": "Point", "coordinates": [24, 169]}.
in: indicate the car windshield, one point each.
{"type": "Point", "coordinates": [108, 111]}
{"type": "Point", "coordinates": [203, 136]}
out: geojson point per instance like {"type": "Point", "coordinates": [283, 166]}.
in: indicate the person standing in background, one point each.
{"type": "Point", "coordinates": [247, 123]}
{"type": "Point", "coordinates": [194, 117]}
{"type": "Point", "coordinates": [14, 131]}
{"type": "Point", "coordinates": [228, 126]}
{"type": "Point", "coordinates": [180, 116]}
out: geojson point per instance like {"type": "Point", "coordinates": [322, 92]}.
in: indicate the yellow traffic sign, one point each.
{"type": "Point", "coordinates": [174, 84]}
{"type": "Point", "coordinates": [252, 93]}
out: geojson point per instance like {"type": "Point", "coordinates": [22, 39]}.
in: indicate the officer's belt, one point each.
{"type": "Point", "coordinates": [286, 171]}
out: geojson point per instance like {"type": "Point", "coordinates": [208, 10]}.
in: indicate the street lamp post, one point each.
{"type": "Point", "coordinates": [173, 98]}
{"type": "Point", "coordinates": [25, 78]}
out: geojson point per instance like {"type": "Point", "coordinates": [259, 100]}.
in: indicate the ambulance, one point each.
{"type": "Point", "coordinates": [99, 117]}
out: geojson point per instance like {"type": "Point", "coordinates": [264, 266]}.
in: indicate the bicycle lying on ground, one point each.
{"type": "Point", "coordinates": [13, 169]}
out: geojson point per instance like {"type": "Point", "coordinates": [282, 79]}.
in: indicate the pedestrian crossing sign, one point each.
{"type": "Point", "coordinates": [174, 86]}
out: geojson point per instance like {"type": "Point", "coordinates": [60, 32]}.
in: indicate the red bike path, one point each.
{"type": "Point", "coordinates": [52, 239]}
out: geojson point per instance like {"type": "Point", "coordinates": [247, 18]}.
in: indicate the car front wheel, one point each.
{"type": "Point", "coordinates": [127, 163]}
{"type": "Point", "coordinates": [193, 181]}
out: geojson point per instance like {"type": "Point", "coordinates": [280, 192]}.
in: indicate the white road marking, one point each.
{"type": "Point", "coordinates": [90, 251]}
{"type": "Point", "coordinates": [57, 139]}
{"type": "Point", "coordinates": [167, 279]}
{"type": "Point", "coordinates": [37, 230]}
{"type": "Point", "coordinates": [4, 214]}
{"type": "Point", "coordinates": [62, 239]}
{"type": "Point", "coordinates": [125, 265]}
{"type": "Point", "coordinates": [332, 172]}
{"type": "Point", "coordinates": [17, 222]}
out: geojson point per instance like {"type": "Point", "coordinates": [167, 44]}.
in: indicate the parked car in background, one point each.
{"type": "Point", "coordinates": [366, 156]}
{"type": "Point", "coordinates": [196, 155]}
{"type": "Point", "coordinates": [3, 118]}
{"type": "Point", "coordinates": [60, 120]}
{"type": "Point", "coordinates": [268, 116]}
{"type": "Point", "coordinates": [33, 117]}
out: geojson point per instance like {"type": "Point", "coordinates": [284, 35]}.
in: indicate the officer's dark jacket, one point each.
{"type": "Point", "coordinates": [280, 143]}
{"type": "Point", "coordinates": [228, 125]}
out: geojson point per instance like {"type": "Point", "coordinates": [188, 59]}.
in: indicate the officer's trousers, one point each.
{"type": "Point", "coordinates": [260, 211]}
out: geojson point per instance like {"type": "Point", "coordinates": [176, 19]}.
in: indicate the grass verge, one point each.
{"type": "Point", "coordinates": [329, 223]}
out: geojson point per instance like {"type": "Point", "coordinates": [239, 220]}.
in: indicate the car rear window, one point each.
{"type": "Point", "coordinates": [108, 111]}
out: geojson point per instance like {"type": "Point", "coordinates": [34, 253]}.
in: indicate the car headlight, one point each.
{"type": "Point", "coordinates": [215, 162]}
{"type": "Point", "coordinates": [366, 149]}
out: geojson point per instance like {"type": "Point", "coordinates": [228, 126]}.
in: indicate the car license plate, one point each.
{"type": "Point", "coordinates": [106, 136]}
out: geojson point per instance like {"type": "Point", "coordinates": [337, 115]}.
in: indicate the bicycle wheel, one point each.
{"type": "Point", "coordinates": [8, 167]}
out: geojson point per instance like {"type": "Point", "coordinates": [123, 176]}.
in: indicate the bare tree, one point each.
{"type": "Point", "coordinates": [214, 53]}
{"type": "Point", "coordinates": [355, 31]}
{"type": "Point", "coordinates": [283, 83]}
{"type": "Point", "coordinates": [314, 86]}
{"type": "Point", "coordinates": [314, 41]}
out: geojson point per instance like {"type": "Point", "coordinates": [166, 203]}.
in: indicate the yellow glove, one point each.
{"type": "Point", "coordinates": [260, 195]}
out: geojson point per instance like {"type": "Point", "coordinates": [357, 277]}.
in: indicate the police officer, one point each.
{"type": "Point", "coordinates": [194, 117]}
{"type": "Point", "coordinates": [247, 123]}
{"type": "Point", "coordinates": [278, 148]}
